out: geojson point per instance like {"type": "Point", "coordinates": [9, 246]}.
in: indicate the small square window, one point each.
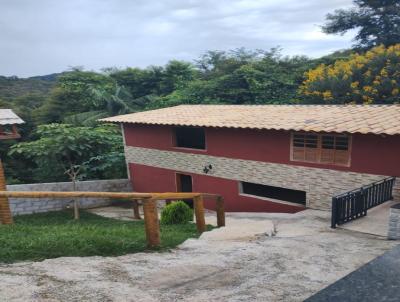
{"type": "Point", "coordinates": [190, 137]}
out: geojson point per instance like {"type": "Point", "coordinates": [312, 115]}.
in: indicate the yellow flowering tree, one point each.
{"type": "Point", "coordinates": [370, 78]}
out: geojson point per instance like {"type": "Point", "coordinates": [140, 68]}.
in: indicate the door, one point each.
{"type": "Point", "coordinates": [184, 184]}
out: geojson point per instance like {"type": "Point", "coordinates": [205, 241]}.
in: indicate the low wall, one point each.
{"type": "Point", "coordinates": [21, 206]}
{"type": "Point", "coordinates": [394, 222]}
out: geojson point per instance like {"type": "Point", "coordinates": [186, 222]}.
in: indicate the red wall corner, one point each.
{"type": "Point", "coordinates": [151, 179]}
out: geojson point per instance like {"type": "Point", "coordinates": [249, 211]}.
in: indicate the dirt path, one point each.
{"type": "Point", "coordinates": [303, 256]}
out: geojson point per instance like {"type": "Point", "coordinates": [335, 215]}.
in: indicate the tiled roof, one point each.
{"type": "Point", "coordinates": [378, 119]}
{"type": "Point", "coordinates": [8, 117]}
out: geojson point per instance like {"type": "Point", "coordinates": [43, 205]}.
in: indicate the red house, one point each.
{"type": "Point", "coordinates": [271, 158]}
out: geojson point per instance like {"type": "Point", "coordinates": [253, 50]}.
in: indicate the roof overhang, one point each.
{"type": "Point", "coordinates": [365, 119]}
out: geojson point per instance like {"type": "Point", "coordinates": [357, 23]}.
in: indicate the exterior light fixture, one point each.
{"type": "Point", "coordinates": [207, 168]}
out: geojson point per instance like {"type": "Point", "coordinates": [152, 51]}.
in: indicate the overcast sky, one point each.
{"type": "Point", "coordinates": [39, 37]}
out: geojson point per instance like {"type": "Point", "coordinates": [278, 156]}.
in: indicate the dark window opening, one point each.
{"type": "Point", "coordinates": [184, 184]}
{"type": "Point", "coordinates": [278, 193]}
{"type": "Point", "coordinates": [189, 137]}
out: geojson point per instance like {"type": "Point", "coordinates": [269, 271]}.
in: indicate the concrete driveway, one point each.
{"type": "Point", "coordinates": [300, 256]}
{"type": "Point", "coordinates": [376, 222]}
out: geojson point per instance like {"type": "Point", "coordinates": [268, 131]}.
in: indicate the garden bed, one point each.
{"type": "Point", "coordinates": [55, 234]}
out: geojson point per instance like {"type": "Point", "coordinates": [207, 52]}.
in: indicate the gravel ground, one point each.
{"type": "Point", "coordinates": [257, 257]}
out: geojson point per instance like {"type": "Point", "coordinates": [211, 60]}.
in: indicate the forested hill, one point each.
{"type": "Point", "coordinates": [12, 87]}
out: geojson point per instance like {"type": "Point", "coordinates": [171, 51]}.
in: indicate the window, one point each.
{"type": "Point", "coordinates": [305, 147]}
{"type": "Point", "coordinates": [190, 137]}
{"type": "Point", "coordinates": [278, 193]}
{"type": "Point", "coordinates": [321, 148]}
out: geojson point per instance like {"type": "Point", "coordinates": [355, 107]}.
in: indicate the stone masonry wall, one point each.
{"type": "Point", "coordinates": [320, 184]}
{"type": "Point", "coordinates": [33, 205]}
{"type": "Point", "coordinates": [394, 223]}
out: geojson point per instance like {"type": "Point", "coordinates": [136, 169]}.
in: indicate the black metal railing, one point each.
{"type": "Point", "coordinates": [355, 204]}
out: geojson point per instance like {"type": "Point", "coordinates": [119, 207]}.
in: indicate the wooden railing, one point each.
{"type": "Point", "coordinates": [355, 204]}
{"type": "Point", "coordinates": [149, 201]}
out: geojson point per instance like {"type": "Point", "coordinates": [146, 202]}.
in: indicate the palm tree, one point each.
{"type": "Point", "coordinates": [105, 104]}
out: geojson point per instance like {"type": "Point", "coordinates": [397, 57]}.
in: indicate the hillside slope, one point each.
{"type": "Point", "coordinates": [13, 87]}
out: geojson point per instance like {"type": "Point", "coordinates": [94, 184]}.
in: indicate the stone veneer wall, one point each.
{"type": "Point", "coordinates": [33, 205]}
{"type": "Point", "coordinates": [394, 222]}
{"type": "Point", "coordinates": [320, 184]}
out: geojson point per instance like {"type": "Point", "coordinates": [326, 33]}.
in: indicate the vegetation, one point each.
{"type": "Point", "coordinates": [13, 87]}
{"type": "Point", "coordinates": [176, 212]}
{"type": "Point", "coordinates": [73, 151]}
{"type": "Point", "coordinates": [61, 150]}
{"type": "Point", "coordinates": [377, 22]}
{"type": "Point", "coordinates": [372, 77]}
{"type": "Point", "coordinates": [55, 234]}
{"type": "Point", "coordinates": [368, 73]}
{"type": "Point", "coordinates": [241, 77]}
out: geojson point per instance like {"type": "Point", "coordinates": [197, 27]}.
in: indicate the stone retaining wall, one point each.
{"type": "Point", "coordinates": [33, 205]}
{"type": "Point", "coordinates": [394, 222]}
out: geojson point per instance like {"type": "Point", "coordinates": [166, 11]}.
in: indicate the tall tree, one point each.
{"type": "Point", "coordinates": [176, 74]}
{"type": "Point", "coordinates": [72, 95]}
{"type": "Point", "coordinates": [377, 22]}
{"type": "Point", "coordinates": [139, 82]}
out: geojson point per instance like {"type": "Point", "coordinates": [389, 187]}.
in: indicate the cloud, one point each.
{"type": "Point", "coordinates": [45, 36]}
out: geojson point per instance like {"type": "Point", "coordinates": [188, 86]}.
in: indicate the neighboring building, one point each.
{"type": "Point", "coordinates": [272, 158]}
{"type": "Point", "coordinates": [8, 124]}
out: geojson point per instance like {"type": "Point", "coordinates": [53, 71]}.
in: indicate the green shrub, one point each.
{"type": "Point", "coordinates": [176, 212]}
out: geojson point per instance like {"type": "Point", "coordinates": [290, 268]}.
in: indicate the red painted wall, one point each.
{"type": "Point", "coordinates": [372, 154]}
{"type": "Point", "coordinates": [151, 179]}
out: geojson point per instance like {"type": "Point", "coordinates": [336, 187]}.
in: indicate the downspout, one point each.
{"type": "Point", "coordinates": [125, 151]}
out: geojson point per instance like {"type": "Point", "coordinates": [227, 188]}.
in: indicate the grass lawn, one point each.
{"type": "Point", "coordinates": [56, 234]}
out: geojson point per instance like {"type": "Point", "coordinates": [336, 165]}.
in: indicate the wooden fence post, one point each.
{"type": "Point", "coordinates": [220, 211]}
{"type": "Point", "coordinates": [136, 213]}
{"type": "Point", "coordinates": [151, 222]}
{"type": "Point", "coordinates": [5, 211]}
{"type": "Point", "coordinates": [199, 212]}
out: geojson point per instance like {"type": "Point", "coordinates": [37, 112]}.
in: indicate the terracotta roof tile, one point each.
{"type": "Point", "coordinates": [378, 119]}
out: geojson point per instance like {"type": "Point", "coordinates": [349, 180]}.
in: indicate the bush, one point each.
{"type": "Point", "coordinates": [176, 213]}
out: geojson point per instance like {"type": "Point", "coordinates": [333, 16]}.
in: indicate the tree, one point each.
{"type": "Point", "coordinates": [78, 152]}
{"type": "Point", "coordinates": [242, 77]}
{"type": "Point", "coordinates": [105, 103]}
{"type": "Point", "coordinates": [176, 74]}
{"type": "Point", "coordinates": [216, 63]}
{"type": "Point", "coordinates": [72, 94]}
{"type": "Point", "coordinates": [377, 21]}
{"type": "Point", "coordinates": [373, 77]}
{"type": "Point", "coordinates": [82, 97]}
{"type": "Point", "coordinates": [140, 82]}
